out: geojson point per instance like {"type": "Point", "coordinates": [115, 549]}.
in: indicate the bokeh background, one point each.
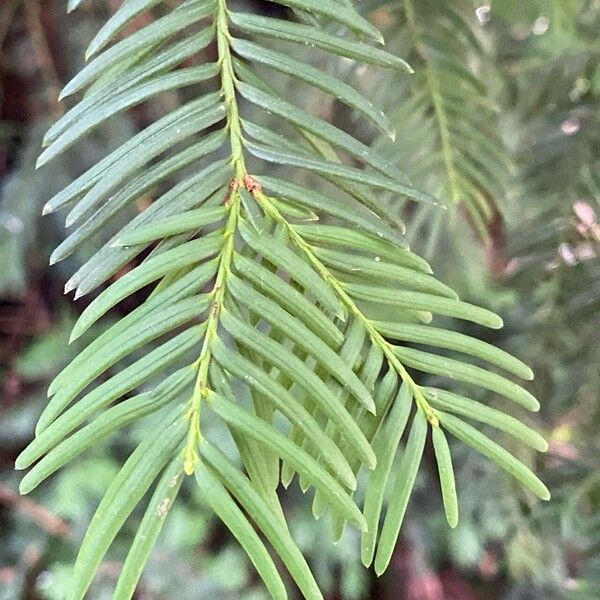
{"type": "Point", "coordinates": [525, 243]}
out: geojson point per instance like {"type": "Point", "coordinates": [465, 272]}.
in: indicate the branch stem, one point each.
{"type": "Point", "coordinates": [346, 299]}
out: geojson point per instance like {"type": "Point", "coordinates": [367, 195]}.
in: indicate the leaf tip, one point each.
{"type": "Point", "coordinates": [366, 556]}
{"type": "Point", "coordinates": [496, 322]}
{"type": "Point", "coordinates": [70, 285]}
{"type": "Point", "coordinates": [362, 523]}
{"type": "Point", "coordinates": [379, 569]}
{"type": "Point", "coordinates": [371, 461]}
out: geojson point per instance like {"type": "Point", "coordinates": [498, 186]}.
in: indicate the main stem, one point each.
{"type": "Point", "coordinates": [232, 202]}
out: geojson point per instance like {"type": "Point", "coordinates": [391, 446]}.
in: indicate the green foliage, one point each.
{"type": "Point", "coordinates": [449, 119]}
{"type": "Point", "coordinates": [282, 309]}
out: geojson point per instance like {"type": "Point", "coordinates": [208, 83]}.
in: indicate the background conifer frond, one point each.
{"type": "Point", "coordinates": [448, 114]}
{"type": "Point", "coordinates": [266, 297]}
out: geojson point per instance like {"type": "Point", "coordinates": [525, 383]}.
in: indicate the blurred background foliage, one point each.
{"type": "Point", "coordinates": [502, 122]}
